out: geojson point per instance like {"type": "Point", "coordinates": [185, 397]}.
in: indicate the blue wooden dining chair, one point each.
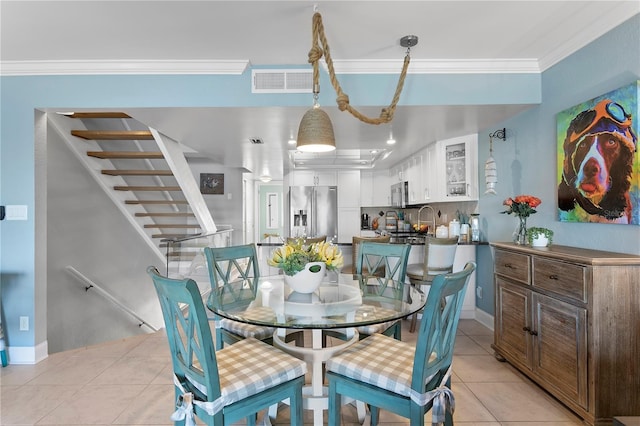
{"type": "Point", "coordinates": [226, 386]}
{"type": "Point", "coordinates": [387, 264]}
{"type": "Point", "coordinates": [392, 259]}
{"type": "Point", "coordinates": [398, 377]}
{"type": "Point", "coordinates": [227, 265]}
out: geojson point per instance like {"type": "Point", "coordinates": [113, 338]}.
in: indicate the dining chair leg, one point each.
{"type": "Point", "coordinates": [414, 321]}
{"type": "Point", "coordinates": [251, 420]}
{"type": "Point", "coordinates": [375, 415]}
{"type": "Point", "coordinates": [334, 405]}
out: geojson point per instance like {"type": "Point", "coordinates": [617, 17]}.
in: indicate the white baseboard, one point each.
{"type": "Point", "coordinates": [468, 314]}
{"type": "Point", "coordinates": [484, 318]}
{"type": "Point", "coordinates": [28, 354]}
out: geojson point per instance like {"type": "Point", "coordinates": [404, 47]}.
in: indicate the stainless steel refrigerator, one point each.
{"type": "Point", "coordinates": [313, 211]}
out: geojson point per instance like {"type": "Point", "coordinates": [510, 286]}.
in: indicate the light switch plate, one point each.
{"type": "Point", "coordinates": [16, 213]}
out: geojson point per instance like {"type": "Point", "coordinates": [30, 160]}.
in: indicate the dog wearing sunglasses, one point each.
{"type": "Point", "coordinates": [599, 150]}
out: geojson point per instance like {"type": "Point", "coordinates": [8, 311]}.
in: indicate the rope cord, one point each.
{"type": "Point", "coordinates": [316, 52]}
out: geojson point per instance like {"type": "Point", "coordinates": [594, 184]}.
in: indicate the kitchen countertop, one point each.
{"type": "Point", "coordinates": [414, 243]}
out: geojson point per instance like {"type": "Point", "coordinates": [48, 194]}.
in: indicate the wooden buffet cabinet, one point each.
{"type": "Point", "coordinates": [569, 319]}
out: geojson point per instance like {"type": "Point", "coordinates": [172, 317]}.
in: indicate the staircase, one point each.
{"type": "Point", "coordinates": [147, 176]}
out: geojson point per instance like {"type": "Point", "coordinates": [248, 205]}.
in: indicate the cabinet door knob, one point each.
{"type": "Point", "coordinates": [553, 277]}
{"type": "Point", "coordinates": [533, 333]}
{"type": "Point", "coordinates": [508, 265]}
{"type": "Point", "coordinates": [527, 329]}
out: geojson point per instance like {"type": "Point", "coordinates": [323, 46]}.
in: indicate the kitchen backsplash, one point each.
{"type": "Point", "coordinates": [448, 211]}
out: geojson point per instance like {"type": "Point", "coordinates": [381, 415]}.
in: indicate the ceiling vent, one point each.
{"type": "Point", "coordinates": [281, 81]}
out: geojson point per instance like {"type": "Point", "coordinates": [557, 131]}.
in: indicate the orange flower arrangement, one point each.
{"type": "Point", "coordinates": [522, 205]}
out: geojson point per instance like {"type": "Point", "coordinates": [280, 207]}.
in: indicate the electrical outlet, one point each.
{"type": "Point", "coordinates": [479, 292]}
{"type": "Point", "coordinates": [24, 323]}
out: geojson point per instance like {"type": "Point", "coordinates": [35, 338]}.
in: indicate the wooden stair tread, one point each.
{"type": "Point", "coordinates": [184, 255]}
{"type": "Point", "coordinates": [126, 154]}
{"type": "Point", "coordinates": [137, 172]}
{"type": "Point", "coordinates": [165, 215]}
{"type": "Point", "coordinates": [173, 235]}
{"type": "Point", "coordinates": [169, 225]}
{"type": "Point", "coordinates": [146, 188]}
{"type": "Point", "coordinates": [156, 202]}
{"type": "Point", "coordinates": [113, 135]}
{"type": "Point", "coordinates": [102, 114]}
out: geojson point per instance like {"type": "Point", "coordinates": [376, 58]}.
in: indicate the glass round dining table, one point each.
{"type": "Point", "coordinates": [343, 304]}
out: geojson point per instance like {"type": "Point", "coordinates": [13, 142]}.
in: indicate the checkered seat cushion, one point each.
{"type": "Point", "coordinates": [375, 328]}
{"type": "Point", "coordinates": [250, 366]}
{"type": "Point", "coordinates": [247, 368]}
{"type": "Point", "coordinates": [245, 330]}
{"type": "Point", "coordinates": [378, 360]}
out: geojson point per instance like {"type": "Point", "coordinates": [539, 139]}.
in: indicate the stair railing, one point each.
{"type": "Point", "coordinates": [185, 256]}
{"type": "Point", "coordinates": [89, 284]}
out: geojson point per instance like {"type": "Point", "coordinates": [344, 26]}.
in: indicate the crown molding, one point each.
{"type": "Point", "coordinates": [438, 66]}
{"type": "Point", "coordinates": [122, 67]}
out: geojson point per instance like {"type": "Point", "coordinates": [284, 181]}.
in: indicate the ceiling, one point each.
{"type": "Point", "coordinates": [93, 37]}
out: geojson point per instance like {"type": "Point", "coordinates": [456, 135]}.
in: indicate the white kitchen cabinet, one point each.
{"type": "Point", "coordinates": [381, 189]}
{"type": "Point", "coordinates": [414, 177]}
{"type": "Point", "coordinates": [348, 188]}
{"type": "Point", "coordinates": [366, 188]}
{"type": "Point", "coordinates": [430, 184]}
{"type": "Point", "coordinates": [459, 176]}
{"type": "Point", "coordinates": [375, 188]}
{"type": "Point", "coordinates": [396, 174]}
{"type": "Point", "coordinates": [312, 178]}
{"type": "Point", "coordinates": [348, 223]}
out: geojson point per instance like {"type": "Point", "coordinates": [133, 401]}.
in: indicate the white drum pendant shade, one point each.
{"type": "Point", "coordinates": [315, 133]}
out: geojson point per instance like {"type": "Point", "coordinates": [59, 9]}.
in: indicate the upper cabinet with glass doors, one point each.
{"type": "Point", "coordinates": [458, 174]}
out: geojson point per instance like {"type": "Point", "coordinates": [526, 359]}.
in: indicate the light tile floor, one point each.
{"type": "Point", "coordinates": [129, 382]}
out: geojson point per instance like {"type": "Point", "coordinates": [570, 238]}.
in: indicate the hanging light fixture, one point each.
{"type": "Point", "coordinates": [315, 133]}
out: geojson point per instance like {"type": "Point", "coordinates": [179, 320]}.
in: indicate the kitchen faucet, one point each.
{"type": "Point", "coordinates": [432, 229]}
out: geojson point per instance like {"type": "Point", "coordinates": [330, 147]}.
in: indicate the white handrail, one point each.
{"type": "Point", "coordinates": [90, 284]}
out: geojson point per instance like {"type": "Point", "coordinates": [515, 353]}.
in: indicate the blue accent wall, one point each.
{"type": "Point", "coordinates": [527, 160]}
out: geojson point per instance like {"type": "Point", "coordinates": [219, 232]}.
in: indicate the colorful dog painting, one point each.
{"type": "Point", "coordinates": [598, 162]}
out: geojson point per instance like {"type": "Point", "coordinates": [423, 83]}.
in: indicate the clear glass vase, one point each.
{"type": "Point", "coordinates": [520, 234]}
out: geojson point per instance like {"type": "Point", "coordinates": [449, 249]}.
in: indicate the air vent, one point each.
{"type": "Point", "coordinates": [281, 81]}
{"type": "Point", "coordinates": [256, 141]}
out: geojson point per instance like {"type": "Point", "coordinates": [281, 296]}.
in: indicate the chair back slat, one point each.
{"type": "Point", "coordinates": [231, 264]}
{"type": "Point", "coordinates": [392, 257]}
{"type": "Point", "coordinates": [436, 338]}
{"type": "Point", "coordinates": [190, 341]}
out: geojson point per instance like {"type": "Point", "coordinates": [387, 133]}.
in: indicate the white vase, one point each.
{"type": "Point", "coordinates": [307, 280]}
{"type": "Point", "coordinates": [540, 240]}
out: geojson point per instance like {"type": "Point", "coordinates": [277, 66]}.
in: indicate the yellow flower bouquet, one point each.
{"type": "Point", "coordinates": [292, 257]}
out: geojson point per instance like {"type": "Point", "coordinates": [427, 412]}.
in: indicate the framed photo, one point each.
{"type": "Point", "coordinates": [212, 183]}
{"type": "Point", "coordinates": [598, 167]}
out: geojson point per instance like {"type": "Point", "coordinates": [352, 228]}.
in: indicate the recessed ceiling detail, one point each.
{"type": "Point", "coordinates": [338, 159]}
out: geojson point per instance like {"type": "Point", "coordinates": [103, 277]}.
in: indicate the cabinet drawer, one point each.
{"type": "Point", "coordinates": [513, 265]}
{"type": "Point", "coordinates": [561, 278]}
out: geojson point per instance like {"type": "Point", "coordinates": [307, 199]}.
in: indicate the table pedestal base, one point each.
{"type": "Point", "coordinates": [315, 395]}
